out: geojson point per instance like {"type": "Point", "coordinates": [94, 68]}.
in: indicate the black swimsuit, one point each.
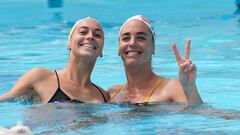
{"type": "Point", "coordinates": [60, 96]}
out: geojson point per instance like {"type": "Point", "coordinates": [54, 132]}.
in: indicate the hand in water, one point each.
{"type": "Point", "coordinates": [19, 129]}
{"type": "Point", "coordinates": [187, 70]}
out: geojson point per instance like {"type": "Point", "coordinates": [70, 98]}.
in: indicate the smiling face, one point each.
{"type": "Point", "coordinates": [136, 43]}
{"type": "Point", "coordinates": [87, 39]}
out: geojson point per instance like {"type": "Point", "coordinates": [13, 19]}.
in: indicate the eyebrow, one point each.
{"type": "Point", "coordinates": [138, 33]}
{"type": "Point", "coordinates": [97, 29]}
{"type": "Point", "coordinates": [125, 34]}
{"type": "Point", "coordinates": [141, 33]}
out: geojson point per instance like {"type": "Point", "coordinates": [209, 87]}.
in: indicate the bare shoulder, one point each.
{"type": "Point", "coordinates": [176, 91]}
{"type": "Point", "coordinates": [174, 82]}
{"type": "Point", "coordinates": [40, 72]}
{"type": "Point", "coordinates": [37, 74]}
{"type": "Point", "coordinates": [26, 83]}
{"type": "Point", "coordinates": [173, 86]}
{"type": "Point", "coordinates": [113, 89]}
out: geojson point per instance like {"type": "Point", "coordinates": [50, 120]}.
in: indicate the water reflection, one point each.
{"type": "Point", "coordinates": [238, 3]}
{"type": "Point", "coordinates": [57, 14]}
{"type": "Point", "coordinates": [56, 20]}
{"type": "Point", "coordinates": [55, 3]}
{"type": "Point", "coordinates": [237, 12]}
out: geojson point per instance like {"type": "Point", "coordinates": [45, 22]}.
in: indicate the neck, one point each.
{"type": "Point", "coordinates": [79, 71]}
{"type": "Point", "coordinates": [139, 76]}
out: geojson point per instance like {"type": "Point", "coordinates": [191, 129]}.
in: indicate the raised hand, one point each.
{"type": "Point", "coordinates": [187, 70]}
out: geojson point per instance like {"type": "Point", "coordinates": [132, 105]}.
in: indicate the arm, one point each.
{"type": "Point", "coordinates": [187, 75]}
{"type": "Point", "coordinates": [25, 84]}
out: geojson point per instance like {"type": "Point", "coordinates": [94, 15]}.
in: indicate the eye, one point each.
{"type": "Point", "coordinates": [125, 39]}
{"type": "Point", "coordinates": [141, 38]}
{"type": "Point", "coordinates": [98, 35]}
{"type": "Point", "coordinates": [83, 32]}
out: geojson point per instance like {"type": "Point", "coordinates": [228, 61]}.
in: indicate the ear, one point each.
{"type": "Point", "coordinates": [118, 46]}
{"type": "Point", "coordinates": [69, 46]}
{"type": "Point", "coordinates": [101, 55]}
{"type": "Point", "coordinates": [153, 49]}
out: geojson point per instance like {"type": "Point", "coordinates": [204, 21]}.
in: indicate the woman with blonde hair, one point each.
{"type": "Point", "coordinates": [72, 83]}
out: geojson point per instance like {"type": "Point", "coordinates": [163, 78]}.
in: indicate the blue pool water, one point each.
{"type": "Point", "coordinates": [33, 33]}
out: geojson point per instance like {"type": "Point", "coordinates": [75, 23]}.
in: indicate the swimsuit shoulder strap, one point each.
{"type": "Point", "coordinates": [105, 100]}
{"type": "Point", "coordinates": [57, 78]}
{"type": "Point", "coordinates": [118, 90]}
{"type": "Point", "coordinates": [59, 94]}
{"type": "Point", "coordinates": [153, 90]}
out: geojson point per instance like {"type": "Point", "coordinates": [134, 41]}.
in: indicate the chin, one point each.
{"type": "Point", "coordinates": [131, 62]}
{"type": "Point", "coordinates": [87, 55]}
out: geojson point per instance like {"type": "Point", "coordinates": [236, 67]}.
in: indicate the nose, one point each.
{"type": "Point", "coordinates": [90, 35]}
{"type": "Point", "coordinates": [132, 41]}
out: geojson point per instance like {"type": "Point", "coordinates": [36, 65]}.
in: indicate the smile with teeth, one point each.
{"type": "Point", "coordinates": [131, 53]}
{"type": "Point", "coordinates": [88, 46]}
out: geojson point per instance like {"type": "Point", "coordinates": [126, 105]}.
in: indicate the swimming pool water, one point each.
{"type": "Point", "coordinates": [34, 34]}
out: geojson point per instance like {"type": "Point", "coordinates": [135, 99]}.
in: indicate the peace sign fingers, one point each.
{"type": "Point", "coordinates": [177, 55]}
{"type": "Point", "coordinates": [187, 53]}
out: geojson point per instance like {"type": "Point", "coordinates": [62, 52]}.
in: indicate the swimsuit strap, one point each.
{"type": "Point", "coordinates": [153, 90]}
{"type": "Point", "coordinates": [57, 78]}
{"type": "Point", "coordinates": [100, 92]}
{"type": "Point", "coordinates": [68, 98]}
{"type": "Point", "coordinates": [118, 90]}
